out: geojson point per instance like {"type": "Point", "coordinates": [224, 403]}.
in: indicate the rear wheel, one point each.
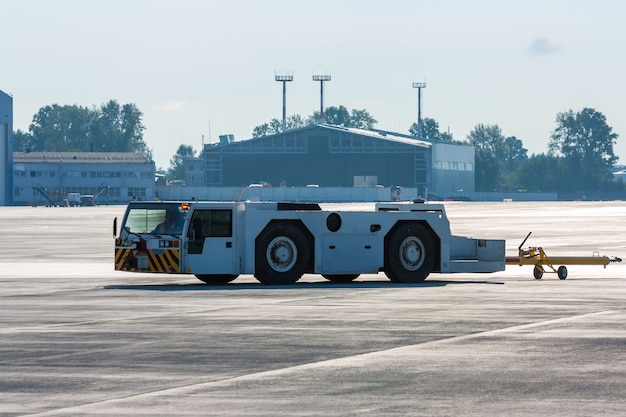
{"type": "Point", "coordinates": [562, 272]}
{"type": "Point", "coordinates": [538, 271]}
{"type": "Point", "coordinates": [216, 279]}
{"type": "Point", "coordinates": [341, 277]}
{"type": "Point", "coordinates": [410, 256]}
{"type": "Point", "coordinates": [281, 254]}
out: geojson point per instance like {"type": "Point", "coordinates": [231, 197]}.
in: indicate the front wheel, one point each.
{"type": "Point", "coordinates": [281, 254]}
{"type": "Point", "coordinates": [410, 256]}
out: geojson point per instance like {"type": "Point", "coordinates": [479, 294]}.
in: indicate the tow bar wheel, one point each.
{"type": "Point", "coordinates": [561, 272]}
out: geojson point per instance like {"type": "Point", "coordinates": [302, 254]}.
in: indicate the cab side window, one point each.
{"type": "Point", "coordinates": [208, 224]}
{"type": "Point", "coordinates": [221, 224]}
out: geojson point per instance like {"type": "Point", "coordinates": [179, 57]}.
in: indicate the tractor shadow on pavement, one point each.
{"type": "Point", "coordinates": [321, 285]}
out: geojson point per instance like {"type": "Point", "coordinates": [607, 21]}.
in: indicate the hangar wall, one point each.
{"type": "Point", "coordinates": [6, 149]}
{"type": "Point", "coordinates": [321, 155]}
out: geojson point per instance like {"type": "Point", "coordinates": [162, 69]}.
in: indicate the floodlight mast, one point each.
{"type": "Point", "coordinates": [420, 122]}
{"type": "Point", "coordinates": [284, 79]}
{"type": "Point", "coordinates": [322, 79]}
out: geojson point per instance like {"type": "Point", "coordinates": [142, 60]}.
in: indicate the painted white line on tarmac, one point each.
{"type": "Point", "coordinates": [339, 362]}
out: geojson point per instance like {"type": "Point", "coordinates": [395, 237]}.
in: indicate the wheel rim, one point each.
{"type": "Point", "coordinates": [281, 254]}
{"type": "Point", "coordinates": [412, 253]}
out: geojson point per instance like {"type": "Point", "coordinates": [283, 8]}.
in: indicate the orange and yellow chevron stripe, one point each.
{"type": "Point", "coordinates": [165, 261]}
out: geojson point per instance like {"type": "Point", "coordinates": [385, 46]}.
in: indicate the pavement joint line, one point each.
{"type": "Point", "coordinates": [53, 327]}
{"type": "Point", "coordinates": [338, 362]}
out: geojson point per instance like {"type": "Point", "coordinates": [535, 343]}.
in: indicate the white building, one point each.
{"type": "Point", "coordinates": [100, 177]}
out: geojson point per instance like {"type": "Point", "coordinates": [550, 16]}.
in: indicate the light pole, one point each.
{"type": "Point", "coordinates": [284, 79]}
{"type": "Point", "coordinates": [420, 123]}
{"type": "Point", "coordinates": [322, 79]}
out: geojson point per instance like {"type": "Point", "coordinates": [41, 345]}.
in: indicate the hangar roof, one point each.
{"type": "Point", "coordinates": [381, 134]}
{"type": "Point", "coordinates": [377, 134]}
{"type": "Point", "coordinates": [80, 157]}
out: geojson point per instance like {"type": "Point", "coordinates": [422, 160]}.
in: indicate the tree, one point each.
{"type": "Point", "coordinates": [585, 142]}
{"type": "Point", "coordinates": [332, 115]}
{"type": "Point", "coordinates": [295, 121]}
{"type": "Point", "coordinates": [431, 131]}
{"type": "Point", "coordinates": [340, 116]}
{"type": "Point", "coordinates": [361, 119]}
{"type": "Point", "coordinates": [177, 163]}
{"type": "Point", "coordinates": [275, 126]}
{"type": "Point", "coordinates": [21, 141]}
{"type": "Point", "coordinates": [58, 128]}
{"type": "Point", "coordinates": [514, 154]}
{"type": "Point", "coordinates": [539, 173]}
{"type": "Point", "coordinates": [117, 128]}
{"type": "Point", "coordinates": [489, 144]}
{"type": "Point", "coordinates": [110, 128]}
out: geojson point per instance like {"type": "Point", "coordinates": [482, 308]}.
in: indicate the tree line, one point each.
{"type": "Point", "coordinates": [109, 128]}
{"type": "Point", "coordinates": [579, 158]}
{"type": "Point", "coordinates": [579, 154]}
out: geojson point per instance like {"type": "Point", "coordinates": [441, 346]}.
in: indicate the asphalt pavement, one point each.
{"type": "Point", "coordinates": [80, 339]}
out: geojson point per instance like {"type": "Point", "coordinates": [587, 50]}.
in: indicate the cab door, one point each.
{"type": "Point", "coordinates": [210, 243]}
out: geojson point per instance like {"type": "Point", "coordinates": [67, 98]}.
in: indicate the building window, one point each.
{"type": "Point", "coordinates": [136, 192]}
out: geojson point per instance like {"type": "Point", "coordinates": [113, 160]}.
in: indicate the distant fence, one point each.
{"type": "Point", "coordinates": [503, 196]}
{"type": "Point", "coordinates": [329, 194]}
{"type": "Point", "coordinates": [321, 194]}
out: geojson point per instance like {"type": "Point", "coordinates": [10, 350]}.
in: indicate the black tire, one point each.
{"type": "Point", "coordinates": [562, 272]}
{"type": "Point", "coordinates": [281, 255]}
{"type": "Point", "coordinates": [341, 277]}
{"type": "Point", "coordinates": [216, 279]}
{"type": "Point", "coordinates": [538, 271]}
{"type": "Point", "coordinates": [410, 255]}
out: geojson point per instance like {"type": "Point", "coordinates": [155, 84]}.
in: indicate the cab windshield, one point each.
{"type": "Point", "coordinates": [163, 218]}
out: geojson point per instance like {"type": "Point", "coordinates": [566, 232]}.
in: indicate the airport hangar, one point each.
{"type": "Point", "coordinates": [108, 177]}
{"type": "Point", "coordinates": [6, 148]}
{"type": "Point", "coordinates": [334, 156]}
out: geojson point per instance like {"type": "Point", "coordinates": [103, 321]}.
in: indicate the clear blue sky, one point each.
{"type": "Point", "coordinates": [190, 65]}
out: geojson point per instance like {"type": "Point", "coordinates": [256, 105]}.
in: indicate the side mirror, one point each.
{"type": "Point", "coordinates": [115, 227]}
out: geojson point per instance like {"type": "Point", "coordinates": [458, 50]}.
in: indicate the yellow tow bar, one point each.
{"type": "Point", "coordinates": [536, 256]}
